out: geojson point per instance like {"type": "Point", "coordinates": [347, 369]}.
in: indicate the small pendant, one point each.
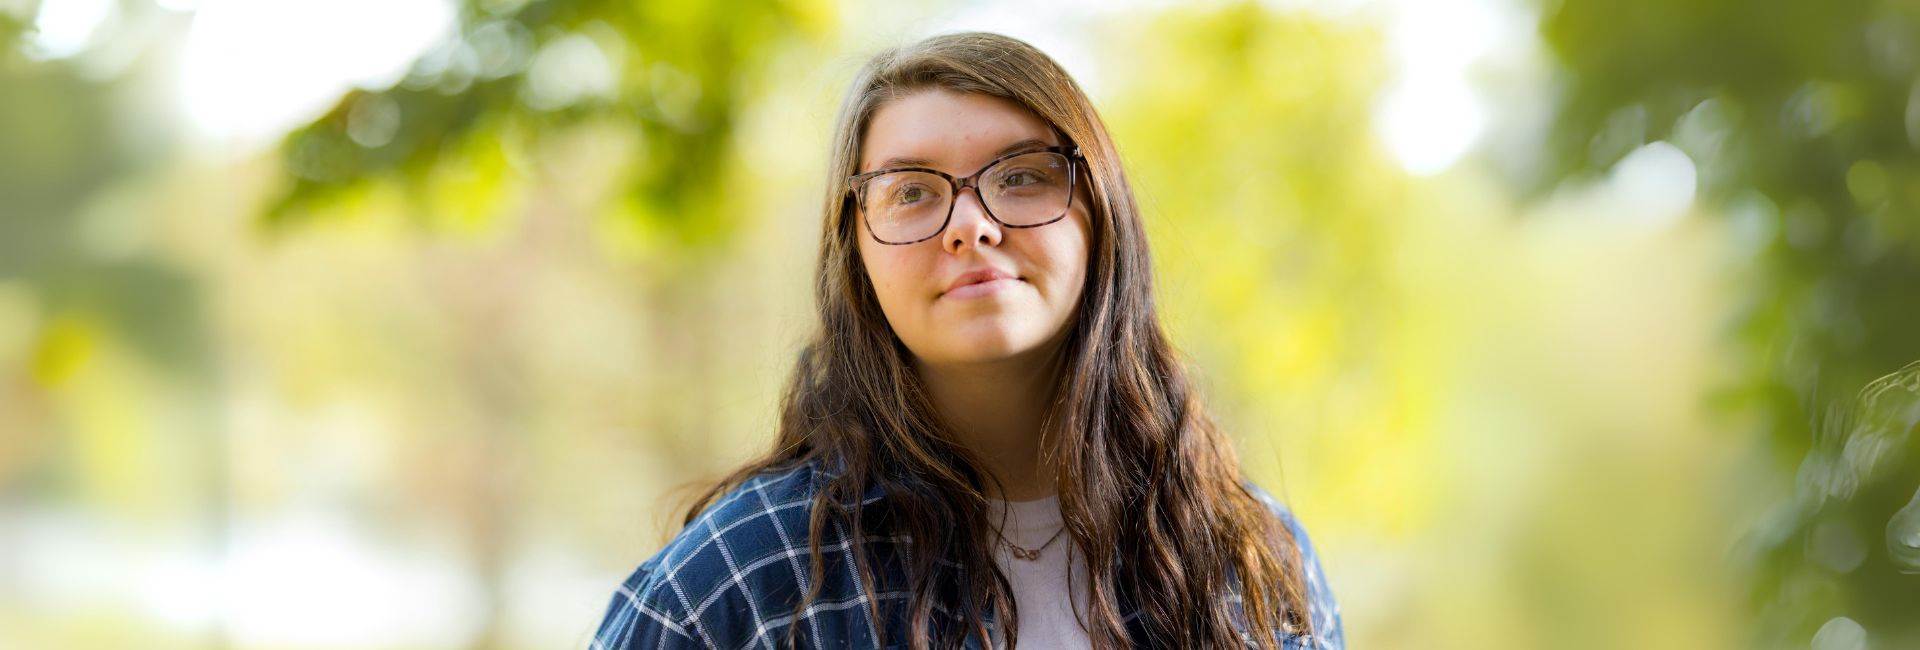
{"type": "Point", "coordinates": [1024, 554]}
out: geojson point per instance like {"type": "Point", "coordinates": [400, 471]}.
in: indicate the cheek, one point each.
{"type": "Point", "coordinates": [888, 271]}
{"type": "Point", "coordinates": [1066, 251]}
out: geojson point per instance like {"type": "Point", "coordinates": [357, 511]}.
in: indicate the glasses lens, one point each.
{"type": "Point", "coordinates": [1028, 189]}
{"type": "Point", "coordinates": [905, 206]}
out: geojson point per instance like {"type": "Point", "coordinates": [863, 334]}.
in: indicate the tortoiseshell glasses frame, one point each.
{"type": "Point", "coordinates": [857, 187]}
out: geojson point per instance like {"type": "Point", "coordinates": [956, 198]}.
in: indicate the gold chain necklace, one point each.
{"type": "Point", "coordinates": [1031, 554]}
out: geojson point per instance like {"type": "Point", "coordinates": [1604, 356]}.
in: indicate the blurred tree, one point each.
{"type": "Point", "coordinates": [460, 136]}
{"type": "Point", "coordinates": [1270, 207]}
{"type": "Point", "coordinates": [115, 401]}
{"type": "Point", "coordinates": [1803, 120]}
{"type": "Point", "coordinates": [518, 70]}
{"type": "Point", "coordinates": [60, 131]}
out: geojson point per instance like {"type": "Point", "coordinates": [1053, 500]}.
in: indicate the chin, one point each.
{"type": "Point", "coordinates": [987, 344]}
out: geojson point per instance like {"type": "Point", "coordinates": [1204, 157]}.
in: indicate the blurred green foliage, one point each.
{"type": "Point", "coordinates": [677, 73]}
{"type": "Point", "coordinates": [58, 128]}
{"type": "Point", "coordinates": [1271, 209]}
{"type": "Point", "coordinates": [1804, 122]}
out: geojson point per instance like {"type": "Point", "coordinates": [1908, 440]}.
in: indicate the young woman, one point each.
{"type": "Point", "coordinates": [989, 439]}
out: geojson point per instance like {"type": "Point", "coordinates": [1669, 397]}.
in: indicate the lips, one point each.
{"type": "Point", "coordinates": [979, 276]}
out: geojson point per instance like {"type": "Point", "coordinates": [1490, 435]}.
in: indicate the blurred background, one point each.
{"type": "Point", "coordinates": [406, 323]}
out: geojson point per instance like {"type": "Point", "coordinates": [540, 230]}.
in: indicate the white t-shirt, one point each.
{"type": "Point", "coordinates": [1050, 612]}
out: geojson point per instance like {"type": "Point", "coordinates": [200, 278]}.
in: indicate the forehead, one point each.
{"type": "Point", "coordinates": [946, 130]}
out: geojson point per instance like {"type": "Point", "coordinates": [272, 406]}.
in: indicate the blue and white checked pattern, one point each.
{"type": "Point", "coordinates": [732, 578]}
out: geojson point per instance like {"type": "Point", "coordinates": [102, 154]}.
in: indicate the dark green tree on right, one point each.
{"type": "Point", "coordinates": [1803, 120]}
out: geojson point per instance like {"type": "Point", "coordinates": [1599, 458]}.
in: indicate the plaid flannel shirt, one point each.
{"type": "Point", "coordinates": [732, 577]}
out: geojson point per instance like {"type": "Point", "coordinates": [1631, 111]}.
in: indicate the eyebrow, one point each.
{"type": "Point", "coordinates": [908, 161]}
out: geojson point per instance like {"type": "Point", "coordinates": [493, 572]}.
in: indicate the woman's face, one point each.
{"type": "Point", "coordinates": [959, 133]}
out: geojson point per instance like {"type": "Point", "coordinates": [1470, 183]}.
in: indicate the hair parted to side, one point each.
{"type": "Point", "coordinates": [1144, 477]}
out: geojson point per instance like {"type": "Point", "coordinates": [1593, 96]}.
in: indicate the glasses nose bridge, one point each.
{"type": "Point", "coordinates": [961, 185]}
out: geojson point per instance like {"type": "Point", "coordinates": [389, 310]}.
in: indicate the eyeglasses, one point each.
{"type": "Point", "coordinates": [908, 205]}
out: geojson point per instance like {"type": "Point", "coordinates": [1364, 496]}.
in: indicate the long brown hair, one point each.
{"type": "Point", "coordinates": [1144, 477]}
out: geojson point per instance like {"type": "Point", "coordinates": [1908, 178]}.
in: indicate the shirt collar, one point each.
{"type": "Point", "coordinates": [874, 494]}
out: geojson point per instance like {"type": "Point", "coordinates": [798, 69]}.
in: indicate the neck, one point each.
{"type": "Point", "coordinates": [995, 409]}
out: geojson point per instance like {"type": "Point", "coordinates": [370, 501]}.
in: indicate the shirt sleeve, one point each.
{"type": "Point", "coordinates": [633, 624]}
{"type": "Point", "coordinates": [1325, 612]}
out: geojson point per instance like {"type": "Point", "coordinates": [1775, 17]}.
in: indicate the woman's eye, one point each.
{"type": "Point", "coordinates": [1018, 179]}
{"type": "Point", "coordinates": [907, 195]}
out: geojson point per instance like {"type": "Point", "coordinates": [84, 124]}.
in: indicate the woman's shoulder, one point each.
{"type": "Point", "coordinates": [725, 572]}
{"type": "Point", "coordinates": [1279, 510]}
{"type": "Point", "coordinates": [763, 516]}
{"type": "Point", "coordinates": [1323, 608]}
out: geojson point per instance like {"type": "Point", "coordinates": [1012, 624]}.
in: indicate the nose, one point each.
{"type": "Point", "coordinates": [970, 225]}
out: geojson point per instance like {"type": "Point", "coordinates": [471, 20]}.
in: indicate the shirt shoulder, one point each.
{"type": "Point", "coordinates": [1323, 610]}
{"type": "Point", "coordinates": [730, 575]}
